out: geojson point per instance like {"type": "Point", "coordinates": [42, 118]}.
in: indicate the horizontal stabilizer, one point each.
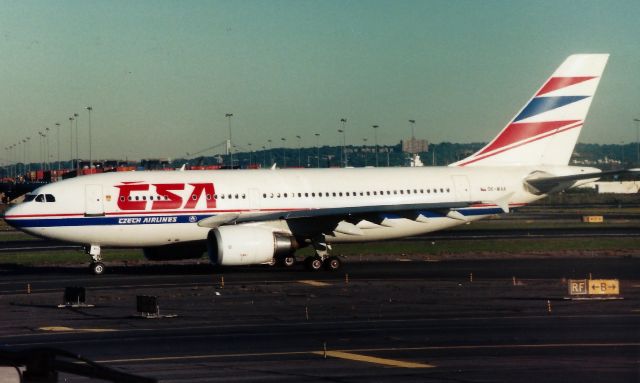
{"type": "Point", "coordinates": [544, 185]}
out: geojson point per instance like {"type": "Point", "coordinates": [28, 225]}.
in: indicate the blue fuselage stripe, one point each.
{"type": "Point", "coordinates": [100, 221]}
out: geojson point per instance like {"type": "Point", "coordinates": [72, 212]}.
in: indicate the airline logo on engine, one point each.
{"type": "Point", "coordinates": [144, 196]}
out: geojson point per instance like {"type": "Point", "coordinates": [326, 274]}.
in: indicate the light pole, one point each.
{"type": "Point", "coordinates": [229, 152]}
{"type": "Point", "coordinates": [250, 152]}
{"type": "Point", "coordinates": [299, 149]}
{"type": "Point", "coordinates": [264, 155]}
{"type": "Point", "coordinates": [364, 148]}
{"type": "Point", "coordinates": [341, 147]}
{"type": "Point", "coordinates": [41, 150]}
{"type": "Point", "coordinates": [413, 139]}
{"type": "Point", "coordinates": [70, 143]}
{"type": "Point", "coordinates": [344, 141]}
{"type": "Point", "coordinates": [89, 109]}
{"type": "Point", "coordinates": [6, 154]}
{"type": "Point", "coordinates": [318, 147]}
{"type": "Point", "coordinates": [270, 154]}
{"type": "Point", "coordinates": [58, 142]}
{"type": "Point", "coordinates": [284, 154]}
{"type": "Point", "coordinates": [24, 155]}
{"type": "Point", "coordinates": [75, 117]}
{"type": "Point", "coordinates": [637, 121]}
{"type": "Point", "coordinates": [25, 145]}
{"type": "Point", "coordinates": [11, 168]}
{"type": "Point", "coordinates": [375, 137]}
{"type": "Point", "coordinates": [48, 153]}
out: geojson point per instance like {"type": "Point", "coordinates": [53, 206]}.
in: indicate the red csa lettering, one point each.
{"type": "Point", "coordinates": [174, 201]}
{"type": "Point", "coordinates": [124, 200]}
{"type": "Point", "coordinates": [196, 194]}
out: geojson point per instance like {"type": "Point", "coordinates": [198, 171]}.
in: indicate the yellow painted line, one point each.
{"type": "Point", "coordinates": [314, 283]}
{"type": "Point", "coordinates": [383, 349]}
{"type": "Point", "coordinates": [373, 359]}
{"type": "Point", "coordinates": [200, 357]}
{"type": "Point", "coordinates": [69, 329]}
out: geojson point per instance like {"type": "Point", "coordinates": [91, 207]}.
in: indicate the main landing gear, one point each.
{"type": "Point", "coordinates": [322, 258]}
{"type": "Point", "coordinates": [96, 266]}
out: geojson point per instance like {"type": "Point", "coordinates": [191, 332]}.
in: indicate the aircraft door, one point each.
{"type": "Point", "coordinates": [254, 199]}
{"type": "Point", "coordinates": [93, 203]}
{"type": "Point", "coordinates": [462, 188]}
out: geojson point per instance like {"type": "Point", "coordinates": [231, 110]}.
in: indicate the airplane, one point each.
{"type": "Point", "coordinates": [258, 216]}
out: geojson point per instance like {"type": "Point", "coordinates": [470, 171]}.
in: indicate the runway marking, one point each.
{"type": "Point", "coordinates": [69, 329]}
{"type": "Point", "coordinates": [353, 351]}
{"type": "Point", "coordinates": [373, 359]}
{"type": "Point", "coordinates": [314, 283]}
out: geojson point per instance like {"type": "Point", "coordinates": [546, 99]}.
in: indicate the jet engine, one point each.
{"type": "Point", "coordinates": [247, 245]}
{"type": "Point", "coordinates": [176, 251]}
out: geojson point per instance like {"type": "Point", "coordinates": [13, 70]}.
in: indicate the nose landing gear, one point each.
{"type": "Point", "coordinates": [96, 266]}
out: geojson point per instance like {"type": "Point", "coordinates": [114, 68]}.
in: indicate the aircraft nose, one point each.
{"type": "Point", "coordinates": [11, 216]}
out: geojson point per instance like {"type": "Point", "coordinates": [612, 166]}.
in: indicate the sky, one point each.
{"type": "Point", "coordinates": [161, 75]}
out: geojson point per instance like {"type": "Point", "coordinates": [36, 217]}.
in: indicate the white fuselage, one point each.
{"type": "Point", "coordinates": [154, 208]}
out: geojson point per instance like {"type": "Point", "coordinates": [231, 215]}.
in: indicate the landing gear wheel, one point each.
{"type": "Point", "coordinates": [313, 263]}
{"type": "Point", "coordinates": [289, 261]}
{"type": "Point", "coordinates": [97, 268]}
{"type": "Point", "coordinates": [332, 263]}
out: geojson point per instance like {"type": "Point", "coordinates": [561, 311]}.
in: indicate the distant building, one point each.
{"type": "Point", "coordinates": [616, 187]}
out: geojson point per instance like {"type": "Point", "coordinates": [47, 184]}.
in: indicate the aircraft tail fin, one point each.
{"type": "Point", "coordinates": [545, 130]}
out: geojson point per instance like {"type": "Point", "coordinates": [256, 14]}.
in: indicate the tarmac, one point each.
{"type": "Point", "coordinates": [411, 321]}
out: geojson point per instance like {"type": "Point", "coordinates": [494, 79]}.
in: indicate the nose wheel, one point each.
{"type": "Point", "coordinates": [96, 266]}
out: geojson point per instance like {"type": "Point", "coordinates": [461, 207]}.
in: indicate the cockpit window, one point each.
{"type": "Point", "coordinates": [40, 198]}
{"type": "Point", "coordinates": [50, 198]}
{"type": "Point", "coordinates": [29, 197]}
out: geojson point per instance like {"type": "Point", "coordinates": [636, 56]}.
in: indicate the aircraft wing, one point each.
{"type": "Point", "coordinates": [337, 213]}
